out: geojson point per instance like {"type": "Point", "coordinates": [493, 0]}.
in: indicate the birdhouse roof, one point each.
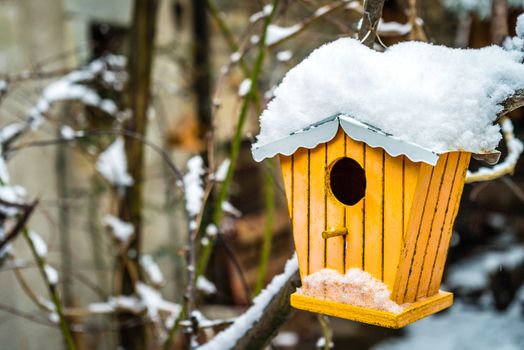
{"type": "Point", "coordinates": [326, 130]}
{"type": "Point", "coordinates": [415, 99]}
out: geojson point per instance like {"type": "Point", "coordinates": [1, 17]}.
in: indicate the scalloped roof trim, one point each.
{"type": "Point", "coordinates": [325, 131]}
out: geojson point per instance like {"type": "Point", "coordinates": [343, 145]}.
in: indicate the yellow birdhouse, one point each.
{"type": "Point", "coordinates": [374, 148]}
{"type": "Point", "coordinates": [372, 220]}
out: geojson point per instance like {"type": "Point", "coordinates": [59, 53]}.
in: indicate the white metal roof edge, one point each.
{"type": "Point", "coordinates": [326, 130]}
{"type": "Point", "coordinates": [392, 145]}
{"type": "Point", "coordinates": [308, 138]}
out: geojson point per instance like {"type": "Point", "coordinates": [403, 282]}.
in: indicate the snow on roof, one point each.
{"type": "Point", "coordinates": [436, 98]}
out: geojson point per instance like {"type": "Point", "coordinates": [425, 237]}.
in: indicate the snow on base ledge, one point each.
{"type": "Point", "coordinates": [356, 287]}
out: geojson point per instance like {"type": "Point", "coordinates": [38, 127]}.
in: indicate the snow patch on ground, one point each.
{"type": "Point", "coordinates": [401, 92]}
{"type": "Point", "coordinates": [473, 274]}
{"type": "Point", "coordinates": [356, 287]}
{"type": "Point", "coordinates": [464, 327]}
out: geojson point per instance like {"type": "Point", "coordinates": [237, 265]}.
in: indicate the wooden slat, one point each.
{"type": "Point", "coordinates": [373, 245]}
{"type": "Point", "coordinates": [355, 213]}
{"type": "Point", "coordinates": [335, 251]}
{"type": "Point", "coordinates": [411, 172]}
{"type": "Point", "coordinates": [438, 223]}
{"type": "Point", "coordinates": [317, 221]}
{"type": "Point", "coordinates": [286, 164]}
{"type": "Point", "coordinates": [301, 208]}
{"type": "Point", "coordinates": [393, 214]}
{"type": "Point", "coordinates": [415, 218]}
{"type": "Point", "coordinates": [425, 229]}
{"type": "Point", "coordinates": [458, 186]}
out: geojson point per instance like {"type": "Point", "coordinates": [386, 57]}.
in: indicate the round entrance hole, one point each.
{"type": "Point", "coordinates": [347, 181]}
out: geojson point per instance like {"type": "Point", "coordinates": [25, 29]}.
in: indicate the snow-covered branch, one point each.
{"type": "Point", "coordinates": [254, 328]}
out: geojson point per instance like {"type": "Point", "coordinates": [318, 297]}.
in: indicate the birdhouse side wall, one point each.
{"type": "Point", "coordinates": [429, 227]}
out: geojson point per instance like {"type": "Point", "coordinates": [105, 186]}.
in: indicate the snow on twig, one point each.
{"type": "Point", "coordinates": [12, 194]}
{"type": "Point", "coordinates": [71, 87]}
{"type": "Point", "coordinates": [112, 164]}
{"type": "Point", "coordinates": [205, 285]}
{"type": "Point", "coordinates": [152, 270]}
{"type": "Point", "coordinates": [39, 244]}
{"type": "Point", "coordinates": [244, 88]}
{"type": "Point", "coordinates": [122, 231]}
{"type": "Point", "coordinates": [221, 172]}
{"type": "Point", "coordinates": [194, 186]}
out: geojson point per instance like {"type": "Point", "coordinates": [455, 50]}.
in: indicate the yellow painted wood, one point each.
{"type": "Point", "coordinates": [286, 165]}
{"type": "Point", "coordinates": [425, 229]}
{"type": "Point", "coordinates": [318, 209]}
{"type": "Point", "coordinates": [335, 212]}
{"type": "Point", "coordinates": [456, 193]}
{"type": "Point", "coordinates": [438, 223]}
{"type": "Point", "coordinates": [301, 208]}
{"type": "Point", "coordinates": [411, 172]}
{"type": "Point", "coordinates": [412, 313]}
{"type": "Point", "coordinates": [355, 213]}
{"type": "Point", "coordinates": [410, 236]}
{"type": "Point", "coordinates": [373, 238]}
{"type": "Point", "coordinates": [393, 216]}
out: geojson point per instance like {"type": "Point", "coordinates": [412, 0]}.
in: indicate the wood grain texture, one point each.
{"type": "Point", "coordinates": [411, 172]}
{"type": "Point", "coordinates": [355, 214]}
{"type": "Point", "coordinates": [393, 216]}
{"type": "Point", "coordinates": [286, 165]}
{"type": "Point", "coordinates": [424, 229]}
{"type": "Point", "coordinates": [335, 246]}
{"type": "Point", "coordinates": [301, 208]}
{"type": "Point", "coordinates": [410, 236]}
{"type": "Point", "coordinates": [374, 221]}
{"type": "Point", "coordinates": [447, 228]}
{"type": "Point", "coordinates": [317, 222]}
{"type": "Point", "coordinates": [438, 223]}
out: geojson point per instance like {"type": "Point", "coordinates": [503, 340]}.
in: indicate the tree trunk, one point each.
{"type": "Point", "coordinates": [141, 49]}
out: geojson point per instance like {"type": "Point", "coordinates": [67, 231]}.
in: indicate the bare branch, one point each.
{"type": "Point", "coordinates": [370, 19]}
{"type": "Point", "coordinates": [21, 222]}
{"type": "Point", "coordinates": [513, 102]}
{"type": "Point", "coordinates": [515, 148]}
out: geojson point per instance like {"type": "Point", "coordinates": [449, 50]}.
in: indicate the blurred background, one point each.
{"type": "Point", "coordinates": [182, 79]}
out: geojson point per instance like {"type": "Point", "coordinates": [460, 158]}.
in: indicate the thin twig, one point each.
{"type": "Point", "coordinates": [53, 293]}
{"type": "Point", "coordinates": [17, 229]}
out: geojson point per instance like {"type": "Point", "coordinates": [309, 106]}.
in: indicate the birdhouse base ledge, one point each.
{"type": "Point", "coordinates": [411, 313]}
